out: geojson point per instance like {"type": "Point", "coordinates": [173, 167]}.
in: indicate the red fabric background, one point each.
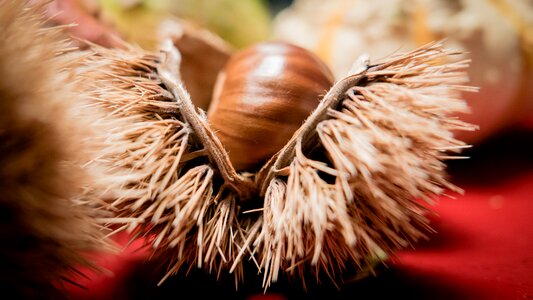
{"type": "Point", "coordinates": [482, 248]}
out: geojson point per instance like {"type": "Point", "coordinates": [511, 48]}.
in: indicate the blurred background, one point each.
{"type": "Point", "coordinates": [482, 246]}
{"type": "Point", "coordinates": [496, 34]}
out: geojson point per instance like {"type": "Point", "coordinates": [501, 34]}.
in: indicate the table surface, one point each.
{"type": "Point", "coordinates": [482, 248]}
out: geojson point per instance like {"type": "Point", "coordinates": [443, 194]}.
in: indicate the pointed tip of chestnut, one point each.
{"type": "Point", "coordinates": [262, 97]}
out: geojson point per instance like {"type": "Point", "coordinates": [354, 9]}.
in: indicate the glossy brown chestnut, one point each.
{"type": "Point", "coordinates": [262, 97]}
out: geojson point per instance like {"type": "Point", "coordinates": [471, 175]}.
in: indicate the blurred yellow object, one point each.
{"type": "Point", "coordinates": [498, 34]}
{"type": "Point", "coordinates": [134, 21]}
{"type": "Point", "coordinates": [240, 23]}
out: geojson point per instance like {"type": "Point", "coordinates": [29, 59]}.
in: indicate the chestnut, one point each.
{"type": "Point", "coordinates": [262, 97]}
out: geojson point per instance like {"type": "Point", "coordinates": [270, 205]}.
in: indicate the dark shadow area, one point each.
{"type": "Point", "coordinates": [388, 284]}
{"type": "Point", "coordinates": [504, 156]}
{"type": "Point", "coordinates": [444, 237]}
{"type": "Point", "coordinates": [275, 6]}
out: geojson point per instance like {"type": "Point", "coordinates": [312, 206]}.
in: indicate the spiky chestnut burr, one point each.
{"type": "Point", "coordinates": [45, 228]}
{"type": "Point", "coordinates": [344, 186]}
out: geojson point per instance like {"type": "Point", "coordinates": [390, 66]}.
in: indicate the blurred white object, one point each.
{"type": "Point", "coordinates": [498, 34]}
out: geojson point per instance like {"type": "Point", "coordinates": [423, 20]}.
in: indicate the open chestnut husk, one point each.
{"type": "Point", "coordinates": [342, 189]}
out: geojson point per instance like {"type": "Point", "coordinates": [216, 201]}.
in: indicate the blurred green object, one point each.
{"type": "Point", "coordinates": [239, 22]}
